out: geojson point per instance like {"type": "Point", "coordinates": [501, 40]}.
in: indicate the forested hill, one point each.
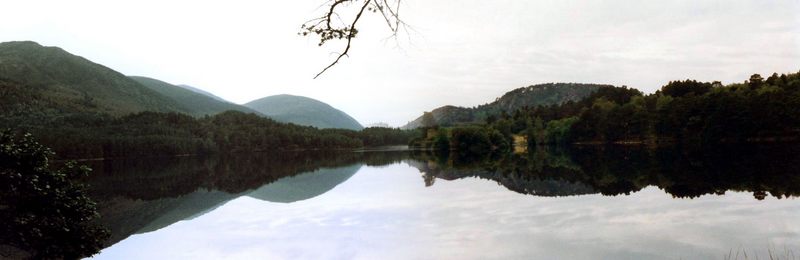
{"type": "Point", "coordinates": [531, 96]}
{"type": "Point", "coordinates": [197, 103]}
{"type": "Point", "coordinates": [85, 110]}
{"type": "Point", "coordinates": [303, 111]}
{"type": "Point", "coordinates": [45, 81]}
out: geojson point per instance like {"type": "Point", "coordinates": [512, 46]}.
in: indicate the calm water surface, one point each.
{"type": "Point", "coordinates": [402, 206]}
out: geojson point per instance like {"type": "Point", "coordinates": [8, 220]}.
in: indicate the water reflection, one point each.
{"type": "Point", "coordinates": [304, 186]}
{"type": "Point", "coordinates": [137, 197]}
{"type": "Point", "coordinates": [144, 195]}
{"type": "Point", "coordinates": [761, 170]}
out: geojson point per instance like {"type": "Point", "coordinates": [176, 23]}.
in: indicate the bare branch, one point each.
{"type": "Point", "coordinates": [325, 27]}
{"type": "Point", "coordinates": [349, 37]}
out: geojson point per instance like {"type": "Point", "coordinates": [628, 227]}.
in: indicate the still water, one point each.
{"type": "Point", "coordinates": [598, 204]}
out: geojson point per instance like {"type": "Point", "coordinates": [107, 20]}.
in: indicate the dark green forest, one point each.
{"type": "Point", "coordinates": [165, 134]}
{"type": "Point", "coordinates": [685, 112]}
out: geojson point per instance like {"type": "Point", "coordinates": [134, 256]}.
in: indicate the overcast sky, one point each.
{"type": "Point", "coordinates": [462, 52]}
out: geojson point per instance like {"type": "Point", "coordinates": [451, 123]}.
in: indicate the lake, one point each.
{"type": "Point", "coordinates": [584, 203]}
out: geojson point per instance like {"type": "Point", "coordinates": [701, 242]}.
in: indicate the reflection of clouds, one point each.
{"type": "Point", "coordinates": [388, 213]}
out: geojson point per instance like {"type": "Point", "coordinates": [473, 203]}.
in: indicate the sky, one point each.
{"type": "Point", "coordinates": [459, 52]}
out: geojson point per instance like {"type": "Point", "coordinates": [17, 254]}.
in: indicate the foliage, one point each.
{"type": "Point", "coordinates": [158, 134]}
{"type": "Point", "coordinates": [684, 88]}
{"type": "Point", "coordinates": [686, 112]}
{"type": "Point", "coordinates": [42, 212]}
{"type": "Point", "coordinates": [441, 142]}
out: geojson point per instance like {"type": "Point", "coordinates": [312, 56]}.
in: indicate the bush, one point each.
{"type": "Point", "coordinates": [42, 212]}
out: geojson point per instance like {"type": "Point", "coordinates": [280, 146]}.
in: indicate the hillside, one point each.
{"type": "Point", "coordinates": [46, 81]}
{"type": "Point", "coordinates": [531, 96]}
{"type": "Point", "coordinates": [303, 111]}
{"type": "Point", "coordinates": [202, 92]}
{"type": "Point", "coordinates": [196, 102]}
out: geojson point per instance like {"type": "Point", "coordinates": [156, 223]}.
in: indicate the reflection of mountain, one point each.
{"type": "Point", "coordinates": [304, 186]}
{"type": "Point", "coordinates": [135, 216]}
{"type": "Point", "coordinates": [125, 216]}
{"type": "Point", "coordinates": [188, 207]}
{"type": "Point", "coordinates": [138, 196]}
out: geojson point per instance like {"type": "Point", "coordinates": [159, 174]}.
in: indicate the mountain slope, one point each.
{"type": "Point", "coordinates": [49, 80]}
{"type": "Point", "coordinates": [303, 111]}
{"type": "Point", "coordinates": [531, 96]}
{"type": "Point", "coordinates": [202, 92]}
{"type": "Point", "coordinates": [197, 103]}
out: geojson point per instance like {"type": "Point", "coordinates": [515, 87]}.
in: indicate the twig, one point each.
{"type": "Point", "coordinates": [350, 35]}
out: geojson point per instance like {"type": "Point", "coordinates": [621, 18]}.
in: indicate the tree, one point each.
{"type": "Point", "coordinates": [470, 140]}
{"type": "Point", "coordinates": [331, 26]}
{"type": "Point", "coordinates": [42, 212]}
{"type": "Point", "coordinates": [755, 81]}
{"type": "Point", "coordinates": [441, 143]}
{"type": "Point", "coordinates": [684, 88]}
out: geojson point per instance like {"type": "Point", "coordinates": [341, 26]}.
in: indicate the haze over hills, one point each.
{"type": "Point", "coordinates": [46, 81]}
{"type": "Point", "coordinates": [303, 111]}
{"type": "Point", "coordinates": [531, 96]}
{"type": "Point", "coordinates": [198, 102]}
{"type": "Point", "coordinates": [203, 92]}
{"type": "Point", "coordinates": [40, 80]}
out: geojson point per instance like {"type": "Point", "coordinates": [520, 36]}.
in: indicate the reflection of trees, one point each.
{"type": "Point", "coordinates": [143, 194]}
{"type": "Point", "coordinates": [761, 170]}
{"type": "Point", "coordinates": [554, 176]}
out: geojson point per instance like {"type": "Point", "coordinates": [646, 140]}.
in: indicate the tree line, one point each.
{"type": "Point", "coordinates": [87, 135]}
{"type": "Point", "coordinates": [682, 112]}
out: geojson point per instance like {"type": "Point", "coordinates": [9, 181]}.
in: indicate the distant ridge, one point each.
{"type": "Point", "coordinates": [198, 102]}
{"type": "Point", "coordinates": [303, 111]}
{"type": "Point", "coordinates": [203, 92]}
{"type": "Point", "coordinates": [531, 96]}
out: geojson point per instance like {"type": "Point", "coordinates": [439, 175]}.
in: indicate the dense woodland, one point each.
{"type": "Point", "coordinates": [684, 112]}
{"type": "Point", "coordinates": [158, 134]}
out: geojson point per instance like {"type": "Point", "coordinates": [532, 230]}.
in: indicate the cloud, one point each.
{"type": "Point", "coordinates": [462, 52]}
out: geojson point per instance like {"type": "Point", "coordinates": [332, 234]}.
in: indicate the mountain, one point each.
{"type": "Point", "coordinates": [531, 96]}
{"type": "Point", "coordinates": [198, 102]}
{"type": "Point", "coordinates": [38, 80]}
{"type": "Point", "coordinates": [303, 111]}
{"type": "Point", "coordinates": [203, 92]}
